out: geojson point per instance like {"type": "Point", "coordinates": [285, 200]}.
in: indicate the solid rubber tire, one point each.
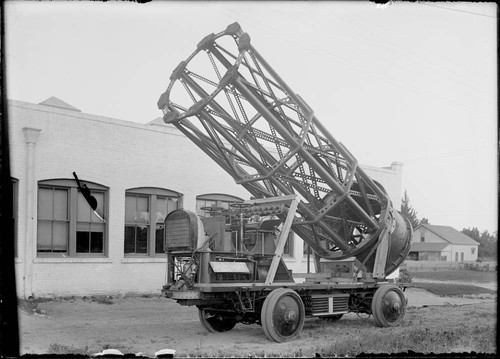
{"type": "Point", "coordinates": [378, 310]}
{"type": "Point", "coordinates": [268, 311]}
{"type": "Point", "coordinates": [216, 325]}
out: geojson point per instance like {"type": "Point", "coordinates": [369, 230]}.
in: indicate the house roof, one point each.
{"type": "Point", "coordinates": [449, 234]}
{"type": "Point", "coordinates": [55, 102]}
{"type": "Point", "coordinates": [428, 247]}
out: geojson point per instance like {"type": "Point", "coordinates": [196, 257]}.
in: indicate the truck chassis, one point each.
{"type": "Point", "coordinates": [257, 288]}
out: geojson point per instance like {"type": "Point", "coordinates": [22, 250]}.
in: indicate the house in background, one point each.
{"type": "Point", "coordinates": [442, 243]}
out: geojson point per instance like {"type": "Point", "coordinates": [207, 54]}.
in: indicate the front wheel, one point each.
{"type": "Point", "coordinates": [282, 315]}
{"type": "Point", "coordinates": [388, 306]}
{"type": "Point", "coordinates": [213, 321]}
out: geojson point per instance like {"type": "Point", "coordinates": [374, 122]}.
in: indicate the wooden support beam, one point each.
{"type": "Point", "coordinates": [278, 253]}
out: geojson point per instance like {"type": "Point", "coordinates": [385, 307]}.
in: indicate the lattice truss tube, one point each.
{"type": "Point", "coordinates": [245, 117]}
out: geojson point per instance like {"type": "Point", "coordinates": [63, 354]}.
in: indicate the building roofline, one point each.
{"type": "Point", "coordinates": [429, 228]}
{"type": "Point", "coordinates": [172, 130]}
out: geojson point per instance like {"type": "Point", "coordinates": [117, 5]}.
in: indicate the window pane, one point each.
{"type": "Point", "coordinates": [60, 238]}
{"type": "Point", "coordinates": [96, 242]}
{"type": "Point", "coordinates": [97, 227]}
{"type": "Point", "coordinates": [143, 209]}
{"type": "Point", "coordinates": [202, 203]}
{"type": "Point", "coordinates": [172, 204]}
{"type": "Point", "coordinates": [161, 209]}
{"type": "Point", "coordinates": [83, 210]}
{"type": "Point", "coordinates": [129, 239]}
{"type": "Point", "coordinates": [288, 244]}
{"type": "Point", "coordinates": [99, 196]}
{"type": "Point", "coordinates": [45, 203]}
{"type": "Point", "coordinates": [142, 240]}
{"type": "Point", "coordinates": [130, 208]}
{"type": "Point", "coordinates": [90, 238]}
{"type": "Point", "coordinates": [44, 236]}
{"type": "Point", "coordinates": [160, 230]}
{"type": "Point", "coordinates": [60, 204]}
{"type": "Point", "coordinates": [82, 242]}
{"type": "Point", "coordinates": [83, 227]}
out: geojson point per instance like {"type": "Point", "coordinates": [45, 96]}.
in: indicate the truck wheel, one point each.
{"type": "Point", "coordinates": [215, 322]}
{"type": "Point", "coordinates": [282, 315]}
{"type": "Point", "coordinates": [331, 318]}
{"type": "Point", "coordinates": [388, 306]}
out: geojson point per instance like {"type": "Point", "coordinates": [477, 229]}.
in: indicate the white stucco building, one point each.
{"type": "Point", "coordinates": [138, 173]}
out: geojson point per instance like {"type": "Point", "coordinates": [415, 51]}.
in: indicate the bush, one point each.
{"type": "Point", "coordinates": [404, 276]}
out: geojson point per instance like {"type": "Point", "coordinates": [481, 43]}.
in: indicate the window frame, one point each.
{"type": "Point", "coordinates": [152, 193]}
{"type": "Point", "coordinates": [72, 214]}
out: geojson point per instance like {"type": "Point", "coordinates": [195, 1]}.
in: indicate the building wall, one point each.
{"type": "Point", "coordinates": [429, 256]}
{"type": "Point", "coordinates": [118, 155]}
{"type": "Point", "coordinates": [463, 253]}
{"type": "Point", "coordinates": [390, 178]}
{"type": "Point", "coordinates": [429, 237]}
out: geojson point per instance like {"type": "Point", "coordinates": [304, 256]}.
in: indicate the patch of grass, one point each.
{"type": "Point", "coordinates": [31, 306]}
{"type": "Point", "coordinates": [55, 348]}
{"type": "Point", "coordinates": [102, 299]}
{"type": "Point", "coordinates": [420, 340]}
{"type": "Point", "coordinates": [449, 290]}
{"type": "Point", "coordinates": [458, 276]}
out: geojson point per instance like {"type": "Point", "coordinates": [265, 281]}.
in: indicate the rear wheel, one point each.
{"type": "Point", "coordinates": [214, 321]}
{"type": "Point", "coordinates": [388, 306]}
{"type": "Point", "coordinates": [282, 315]}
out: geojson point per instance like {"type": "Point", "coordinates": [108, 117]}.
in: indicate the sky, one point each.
{"type": "Point", "coordinates": [409, 82]}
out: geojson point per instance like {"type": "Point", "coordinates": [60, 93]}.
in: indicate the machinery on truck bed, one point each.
{"type": "Point", "coordinates": [230, 102]}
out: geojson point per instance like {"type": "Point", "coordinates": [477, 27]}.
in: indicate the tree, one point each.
{"type": "Point", "coordinates": [409, 212]}
{"type": "Point", "coordinates": [487, 243]}
{"type": "Point", "coordinates": [424, 221]}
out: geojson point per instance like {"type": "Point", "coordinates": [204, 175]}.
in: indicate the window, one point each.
{"type": "Point", "coordinates": [473, 250]}
{"type": "Point", "coordinates": [145, 212]}
{"type": "Point", "coordinates": [89, 229]}
{"type": "Point", "coordinates": [422, 236]}
{"type": "Point", "coordinates": [209, 204]}
{"type": "Point", "coordinates": [67, 225]}
{"type": "Point", "coordinates": [252, 240]}
{"type": "Point", "coordinates": [205, 204]}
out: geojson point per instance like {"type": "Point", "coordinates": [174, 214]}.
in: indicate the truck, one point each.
{"type": "Point", "coordinates": [228, 100]}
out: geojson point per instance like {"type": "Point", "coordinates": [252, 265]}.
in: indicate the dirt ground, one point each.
{"type": "Point", "coordinates": [148, 324]}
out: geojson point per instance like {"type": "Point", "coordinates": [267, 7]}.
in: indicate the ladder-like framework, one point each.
{"type": "Point", "coordinates": [229, 101]}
